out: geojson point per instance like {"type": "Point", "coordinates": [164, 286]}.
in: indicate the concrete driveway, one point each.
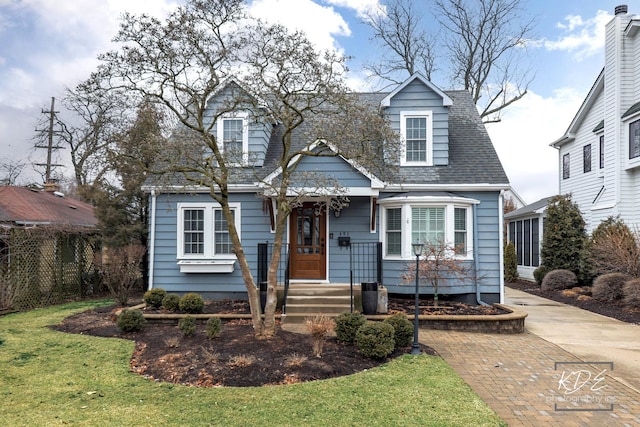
{"type": "Point", "coordinates": [589, 336]}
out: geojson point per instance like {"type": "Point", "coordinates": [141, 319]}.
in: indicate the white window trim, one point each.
{"type": "Point", "coordinates": [403, 132]}
{"type": "Point", "coordinates": [245, 133]}
{"type": "Point", "coordinates": [209, 262]}
{"type": "Point", "coordinates": [406, 252]}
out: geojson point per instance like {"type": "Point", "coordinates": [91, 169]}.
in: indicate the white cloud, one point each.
{"type": "Point", "coordinates": [362, 7]}
{"type": "Point", "coordinates": [522, 141]}
{"type": "Point", "coordinates": [320, 23]}
{"type": "Point", "coordinates": [581, 37]}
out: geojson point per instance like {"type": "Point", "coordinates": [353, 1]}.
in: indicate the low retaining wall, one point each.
{"type": "Point", "coordinates": [511, 322]}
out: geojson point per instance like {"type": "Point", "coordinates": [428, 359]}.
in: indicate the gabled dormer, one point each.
{"type": "Point", "coordinates": [242, 126]}
{"type": "Point", "coordinates": [420, 112]}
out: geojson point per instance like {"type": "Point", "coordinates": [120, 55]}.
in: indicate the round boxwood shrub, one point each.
{"type": "Point", "coordinates": [347, 325]}
{"type": "Point", "coordinates": [192, 303]}
{"type": "Point", "coordinates": [557, 280]}
{"type": "Point", "coordinates": [171, 302]}
{"type": "Point", "coordinates": [375, 339]}
{"type": "Point", "coordinates": [214, 326]}
{"type": "Point", "coordinates": [187, 326]}
{"type": "Point", "coordinates": [608, 287]}
{"type": "Point", "coordinates": [403, 329]}
{"type": "Point", "coordinates": [631, 291]}
{"type": "Point", "coordinates": [539, 273]}
{"type": "Point", "coordinates": [153, 297]}
{"type": "Point", "coordinates": [130, 320]}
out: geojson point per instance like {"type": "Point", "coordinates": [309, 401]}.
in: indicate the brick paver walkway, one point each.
{"type": "Point", "coordinates": [528, 381]}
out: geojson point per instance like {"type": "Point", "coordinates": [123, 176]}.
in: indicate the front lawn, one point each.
{"type": "Point", "coordinates": [53, 378]}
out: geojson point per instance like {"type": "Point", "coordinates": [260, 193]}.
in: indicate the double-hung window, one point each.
{"type": "Point", "coordinates": [416, 128]}
{"type": "Point", "coordinates": [446, 222]}
{"type": "Point", "coordinates": [586, 158]}
{"type": "Point", "coordinates": [233, 137]}
{"type": "Point", "coordinates": [203, 235]}
{"type": "Point", "coordinates": [565, 166]}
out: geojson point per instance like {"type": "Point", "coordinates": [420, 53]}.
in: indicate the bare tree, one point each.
{"type": "Point", "coordinates": [206, 50]}
{"type": "Point", "coordinates": [483, 41]}
{"type": "Point", "coordinates": [407, 48]}
{"type": "Point", "coordinates": [11, 171]}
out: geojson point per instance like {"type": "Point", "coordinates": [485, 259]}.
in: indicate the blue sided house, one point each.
{"type": "Point", "coordinates": [448, 187]}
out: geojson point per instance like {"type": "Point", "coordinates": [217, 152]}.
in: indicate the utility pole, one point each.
{"type": "Point", "coordinates": [50, 147]}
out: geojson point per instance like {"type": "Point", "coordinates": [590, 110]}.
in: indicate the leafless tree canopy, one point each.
{"type": "Point", "coordinates": [483, 42]}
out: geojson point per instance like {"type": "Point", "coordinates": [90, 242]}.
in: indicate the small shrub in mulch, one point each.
{"type": "Point", "coordinates": [214, 326]}
{"type": "Point", "coordinates": [191, 303]}
{"type": "Point", "coordinates": [375, 339]}
{"type": "Point", "coordinates": [171, 302]}
{"type": "Point", "coordinates": [403, 329]}
{"type": "Point", "coordinates": [153, 297]}
{"type": "Point", "coordinates": [608, 287]}
{"type": "Point", "coordinates": [130, 320]}
{"type": "Point", "coordinates": [187, 326]}
{"type": "Point", "coordinates": [347, 325]}
{"type": "Point", "coordinates": [557, 280]}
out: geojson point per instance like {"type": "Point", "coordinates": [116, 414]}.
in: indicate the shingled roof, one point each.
{"type": "Point", "coordinates": [27, 207]}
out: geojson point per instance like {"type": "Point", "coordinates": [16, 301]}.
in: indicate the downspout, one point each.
{"type": "Point", "coordinates": [501, 239]}
{"type": "Point", "coordinates": [152, 240]}
{"type": "Point", "coordinates": [476, 262]}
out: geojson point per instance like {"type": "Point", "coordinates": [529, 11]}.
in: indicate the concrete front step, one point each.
{"type": "Point", "coordinates": [308, 300]}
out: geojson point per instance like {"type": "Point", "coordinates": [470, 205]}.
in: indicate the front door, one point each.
{"type": "Point", "coordinates": [308, 225]}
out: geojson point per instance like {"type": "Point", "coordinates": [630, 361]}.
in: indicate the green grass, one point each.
{"type": "Point", "coordinates": [49, 378]}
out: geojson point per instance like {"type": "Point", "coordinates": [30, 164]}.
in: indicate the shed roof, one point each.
{"type": "Point", "coordinates": [25, 206]}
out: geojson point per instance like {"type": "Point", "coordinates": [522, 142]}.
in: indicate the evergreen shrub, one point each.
{"type": "Point", "coordinates": [192, 303]}
{"type": "Point", "coordinates": [153, 297]}
{"type": "Point", "coordinates": [171, 302]}
{"type": "Point", "coordinates": [403, 329]}
{"type": "Point", "coordinates": [214, 327]}
{"type": "Point", "coordinates": [347, 325]}
{"type": "Point", "coordinates": [375, 339]}
{"type": "Point", "coordinates": [557, 280]}
{"type": "Point", "coordinates": [631, 291]}
{"type": "Point", "coordinates": [608, 287]}
{"type": "Point", "coordinates": [187, 326]}
{"type": "Point", "coordinates": [130, 320]}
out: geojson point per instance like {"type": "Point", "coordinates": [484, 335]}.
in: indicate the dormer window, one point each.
{"type": "Point", "coordinates": [416, 128]}
{"type": "Point", "coordinates": [233, 133]}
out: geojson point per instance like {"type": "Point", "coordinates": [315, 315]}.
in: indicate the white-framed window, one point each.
{"type": "Point", "coordinates": [203, 231]}
{"type": "Point", "coordinates": [232, 133]}
{"type": "Point", "coordinates": [434, 223]}
{"type": "Point", "coordinates": [566, 164]}
{"type": "Point", "coordinates": [634, 139]}
{"type": "Point", "coordinates": [416, 129]}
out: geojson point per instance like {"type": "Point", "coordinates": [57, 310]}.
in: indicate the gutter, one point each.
{"type": "Point", "coordinates": [152, 240]}
{"type": "Point", "coordinates": [501, 241]}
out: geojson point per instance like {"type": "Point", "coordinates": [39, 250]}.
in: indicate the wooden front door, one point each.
{"type": "Point", "coordinates": [308, 250]}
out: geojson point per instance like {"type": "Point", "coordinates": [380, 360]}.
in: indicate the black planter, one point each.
{"type": "Point", "coordinates": [369, 297]}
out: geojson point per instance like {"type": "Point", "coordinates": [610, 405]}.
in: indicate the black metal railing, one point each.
{"type": "Point", "coordinates": [265, 251]}
{"type": "Point", "coordinates": [365, 264]}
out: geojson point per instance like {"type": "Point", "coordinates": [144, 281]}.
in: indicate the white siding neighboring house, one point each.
{"type": "Point", "coordinates": [599, 154]}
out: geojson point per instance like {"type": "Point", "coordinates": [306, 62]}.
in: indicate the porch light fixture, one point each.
{"type": "Point", "coordinates": [417, 251]}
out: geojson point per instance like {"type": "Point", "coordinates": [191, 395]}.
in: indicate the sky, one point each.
{"type": "Point", "coordinates": [49, 45]}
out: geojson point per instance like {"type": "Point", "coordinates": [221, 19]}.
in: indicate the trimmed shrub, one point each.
{"type": "Point", "coordinates": [347, 325]}
{"type": "Point", "coordinates": [153, 297]}
{"type": "Point", "coordinates": [608, 287]}
{"type": "Point", "coordinates": [130, 320]}
{"type": "Point", "coordinates": [557, 280]}
{"type": "Point", "coordinates": [510, 263]}
{"type": "Point", "coordinates": [187, 326]}
{"type": "Point", "coordinates": [403, 329]}
{"type": "Point", "coordinates": [214, 326]}
{"type": "Point", "coordinates": [171, 302]}
{"type": "Point", "coordinates": [631, 291]}
{"type": "Point", "coordinates": [192, 303]}
{"type": "Point", "coordinates": [614, 248]}
{"type": "Point", "coordinates": [375, 339]}
{"type": "Point", "coordinates": [539, 273]}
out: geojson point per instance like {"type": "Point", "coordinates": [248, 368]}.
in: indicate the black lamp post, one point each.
{"type": "Point", "coordinates": [417, 251]}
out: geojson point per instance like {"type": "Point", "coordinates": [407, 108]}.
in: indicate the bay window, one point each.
{"type": "Point", "coordinates": [410, 220]}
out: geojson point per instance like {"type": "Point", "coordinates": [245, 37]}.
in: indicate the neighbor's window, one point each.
{"type": "Point", "coordinates": [565, 166]}
{"type": "Point", "coordinates": [203, 231]}
{"type": "Point", "coordinates": [601, 151]}
{"type": "Point", "coordinates": [634, 139]}
{"type": "Point", "coordinates": [416, 130]}
{"type": "Point", "coordinates": [586, 158]}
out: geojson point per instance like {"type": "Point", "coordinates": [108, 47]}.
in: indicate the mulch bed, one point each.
{"type": "Point", "coordinates": [581, 298]}
{"type": "Point", "coordinates": [236, 358]}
